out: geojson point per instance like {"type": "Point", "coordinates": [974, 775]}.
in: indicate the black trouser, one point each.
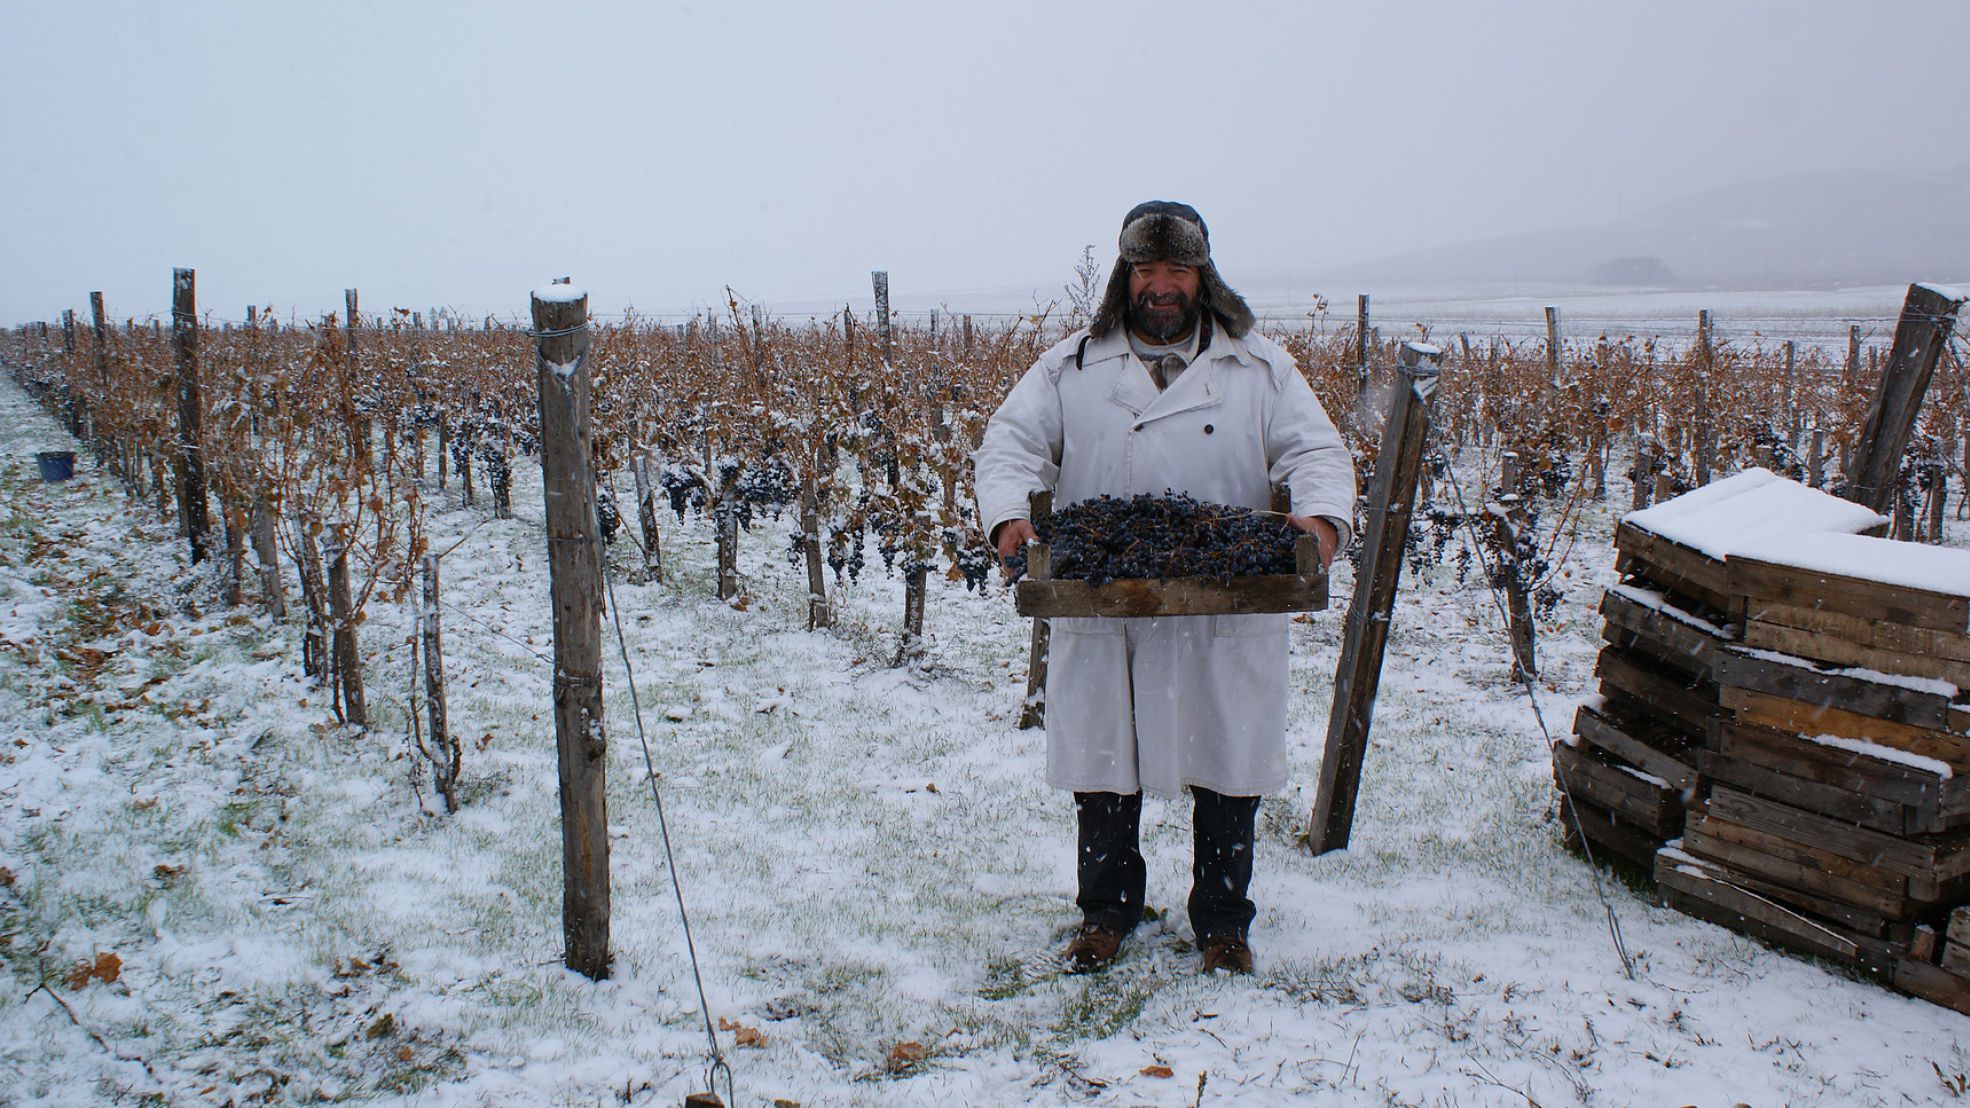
{"type": "Point", "coordinates": [1112, 874]}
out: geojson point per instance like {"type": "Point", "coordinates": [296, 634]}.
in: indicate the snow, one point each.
{"type": "Point", "coordinates": [1659, 602]}
{"type": "Point", "coordinates": [1931, 685]}
{"type": "Point", "coordinates": [560, 293]}
{"type": "Point", "coordinates": [1884, 753]}
{"type": "Point", "coordinates": [1455, 954]}
{"type": "Point", "coordinates": [1749, 508]}
{"type": "Point", "coordinates": [1947, 292]}
{"type": "Point", "coordinates": [1937, 569]}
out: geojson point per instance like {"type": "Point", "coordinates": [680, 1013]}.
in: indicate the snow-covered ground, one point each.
{"type": "Point", "coordinates": [876, 877]}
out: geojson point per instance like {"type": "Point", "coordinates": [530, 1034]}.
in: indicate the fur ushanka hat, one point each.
{"type": "Point", "coordinates": [1166, 231]}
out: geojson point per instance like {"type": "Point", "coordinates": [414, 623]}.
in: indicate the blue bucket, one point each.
{"type": "Point", "coordinates": [56, 465]}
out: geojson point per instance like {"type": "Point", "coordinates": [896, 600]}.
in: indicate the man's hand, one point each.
{"type": "Point", "coordinates": [1330, 539]}
{"type": "Point", "coordinates": [1014, 534]}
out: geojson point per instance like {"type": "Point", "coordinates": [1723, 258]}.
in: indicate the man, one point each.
{"type": "Point", "coordinates": [1168, 388]}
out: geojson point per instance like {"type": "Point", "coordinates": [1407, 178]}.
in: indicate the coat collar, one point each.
{"type": "Point", "coordinates": [1196, 387]}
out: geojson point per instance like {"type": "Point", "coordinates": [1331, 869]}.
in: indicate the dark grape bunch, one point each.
{"type": "Point", "coordinates": [1166, 536]}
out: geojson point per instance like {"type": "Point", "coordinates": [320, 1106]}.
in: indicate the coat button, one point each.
{"type": "Point", "coordinates": [1208, 428]}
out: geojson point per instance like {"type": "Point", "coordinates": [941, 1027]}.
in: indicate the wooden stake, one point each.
{"type": "Point", "coordinates": [1928, 314]}
{"type": "Point", "coordinates": [1361, 339]}
{"type": "Point", "coordinates": [818, 613]}
{"type": "Point", "coordinates": [194, 523]}
{"type": "Point", "coordinates": [443, 747]}
{"type": "Point", "coordinates": [1391, 499]}
{"type": "Point", "coordinates": [646, 517]}
{"type": "Point", "coordinates": [1508, 521]}
{"type": "Point", "coordinates": [882, 310]}
{"type": "Point", "coordinates": [1705, 368]}
{"type": "Point", "coordinates": [725, 516]}
{"type": "Point", "coordinates": [348, 660]}
{"type": "Point", "coordinates": [574, 552]}
{"type": "Point", "coordinates": [271, 593]}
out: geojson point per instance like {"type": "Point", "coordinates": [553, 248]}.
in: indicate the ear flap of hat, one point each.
{"type": "Point", "coordinates": [1227, 305]}
{"type": "Point", "coordinates": [1114, 301]}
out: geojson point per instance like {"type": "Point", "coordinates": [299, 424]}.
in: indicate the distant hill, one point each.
{"type": "Point", "coordinates": [1802, 231]}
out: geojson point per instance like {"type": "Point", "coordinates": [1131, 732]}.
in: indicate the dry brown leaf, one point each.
{"type": "Point", "coordinates": [6, 878]}
{"type": "Point", "coordinates": [906, 1054]}
{"type": "Point", "coordinates": [106, 968]}
{"type": "Point", "coordinates": [1158, 1071]}
{"type": "Point", "coordinates": [404, 1054]}
{"type": "Point", "coordinates": [167, 871]}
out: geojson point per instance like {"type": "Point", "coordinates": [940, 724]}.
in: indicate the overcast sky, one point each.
{"type": "Point", "coordinates": [459, 154]}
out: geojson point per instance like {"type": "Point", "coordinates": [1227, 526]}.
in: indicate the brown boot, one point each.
{"type": "Point", "coordinates": [1230, 953]}
{"type": "Point", "coordinates": [1092, 948]}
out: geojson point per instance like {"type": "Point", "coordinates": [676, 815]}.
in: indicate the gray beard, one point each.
{"type": "Point", "coordinates": [1163, 328]}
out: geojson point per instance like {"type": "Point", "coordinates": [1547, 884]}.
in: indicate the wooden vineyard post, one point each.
{"type": "Point", "coordinates": [264, 550]}
{"type": "Point", "coordinates": [1791, 396]}
{"type": "Point", "coordinates": [818, 613]}
{"type": "Point", "coordinates": [1507, 519]}
{"type": "Point", "coordinates": [574, 556]}
{"type": "Point", "coordinates": [726, 515]}
{"type": "Point", "coordinates": [915, 581]}
{"type": "Point", "coordinates": [104, 448]}
{"type": "Point", "coordinates": [1361, 355]}
{"type": "Point", "coordinates": [1033, 711]}
{"type": "Point", "coordinates": [1705, 368]}
{"type": "Point", "coordinates": [1927, 317]}
{"type": "Point", "coordinates": [1553, 345]}
{"type": "Point", "coordinates": [1391, 500]}
{"type": "Point", "coordinates": [359, 431]}
{"type": "Point", "coordinates": [881, 279]}
{"type": "Point", "coordinates": [1936, 473]}
{"type": "Point", "coordinates": [1647, 463]}
{"type": "Point", "coordinates": [190, 455]}
{"type": "Point", "coordinates": [1816, 458]}
{"type": "Point", "coordinates": [646, 517]}
{"type": "Point", "coordinates": [443, 748]}
{"type": "Point", "coordinates": [347, 660]}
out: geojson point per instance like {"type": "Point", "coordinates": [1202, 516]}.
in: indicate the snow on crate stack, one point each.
{"type": "Point", "coordinates": [1631, 764]}
{"type": "Point", "coordinates": [1838, 815]}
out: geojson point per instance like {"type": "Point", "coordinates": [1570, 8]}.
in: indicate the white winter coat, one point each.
{"type": "Point", "coordinates": [1159, 704]}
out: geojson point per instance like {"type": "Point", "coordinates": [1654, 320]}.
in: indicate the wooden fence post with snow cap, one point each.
{"type": "Point", "coordinates": [574, 558]}
{"type": "Point", "coordinates": [1391, 500]}
{"type": "Point", "coordinates": [196, 525]}
{"type": "Point", "coordinates": [1928, 315]}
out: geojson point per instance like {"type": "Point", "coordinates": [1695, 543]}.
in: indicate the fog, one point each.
{"type": "Point", "coordinates": [459, 154]}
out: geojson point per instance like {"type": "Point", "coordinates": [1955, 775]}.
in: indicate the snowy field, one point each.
{"type": "Point", "coordinates": [876, 876]}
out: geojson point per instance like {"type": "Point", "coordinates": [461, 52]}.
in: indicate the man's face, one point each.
{"type": "Point", "coordinates": [1162, 300]}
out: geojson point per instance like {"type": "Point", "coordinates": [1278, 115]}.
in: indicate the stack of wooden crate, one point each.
{"type": "Point", "coordinates": [1631, 768]}
{"type": "Point", "coordinates": [1836, 817]}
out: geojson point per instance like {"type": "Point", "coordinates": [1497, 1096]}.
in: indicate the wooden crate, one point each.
{"type": "Point", "coordinates": [1606, 832]}
{"type": "Point", "coordinates": [1041, 594]}
{"type": "Point", "coordinates": [1766, 575]}
{"type": "Point", "coordinates": [1648, 622]}
{"type": "Point", "coordinates": [1712, 892]}
{"type": "Point", "coordinates": [1673, 697]}
{"type": "Point", "coordinates": [1682, 544]}
{"type": "Point", "coordinates": [1809, 876]}
{"type": "Point", "coordinates": [1642, 801]}
{"type": "Point", "coordinates": [1625, 730]}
